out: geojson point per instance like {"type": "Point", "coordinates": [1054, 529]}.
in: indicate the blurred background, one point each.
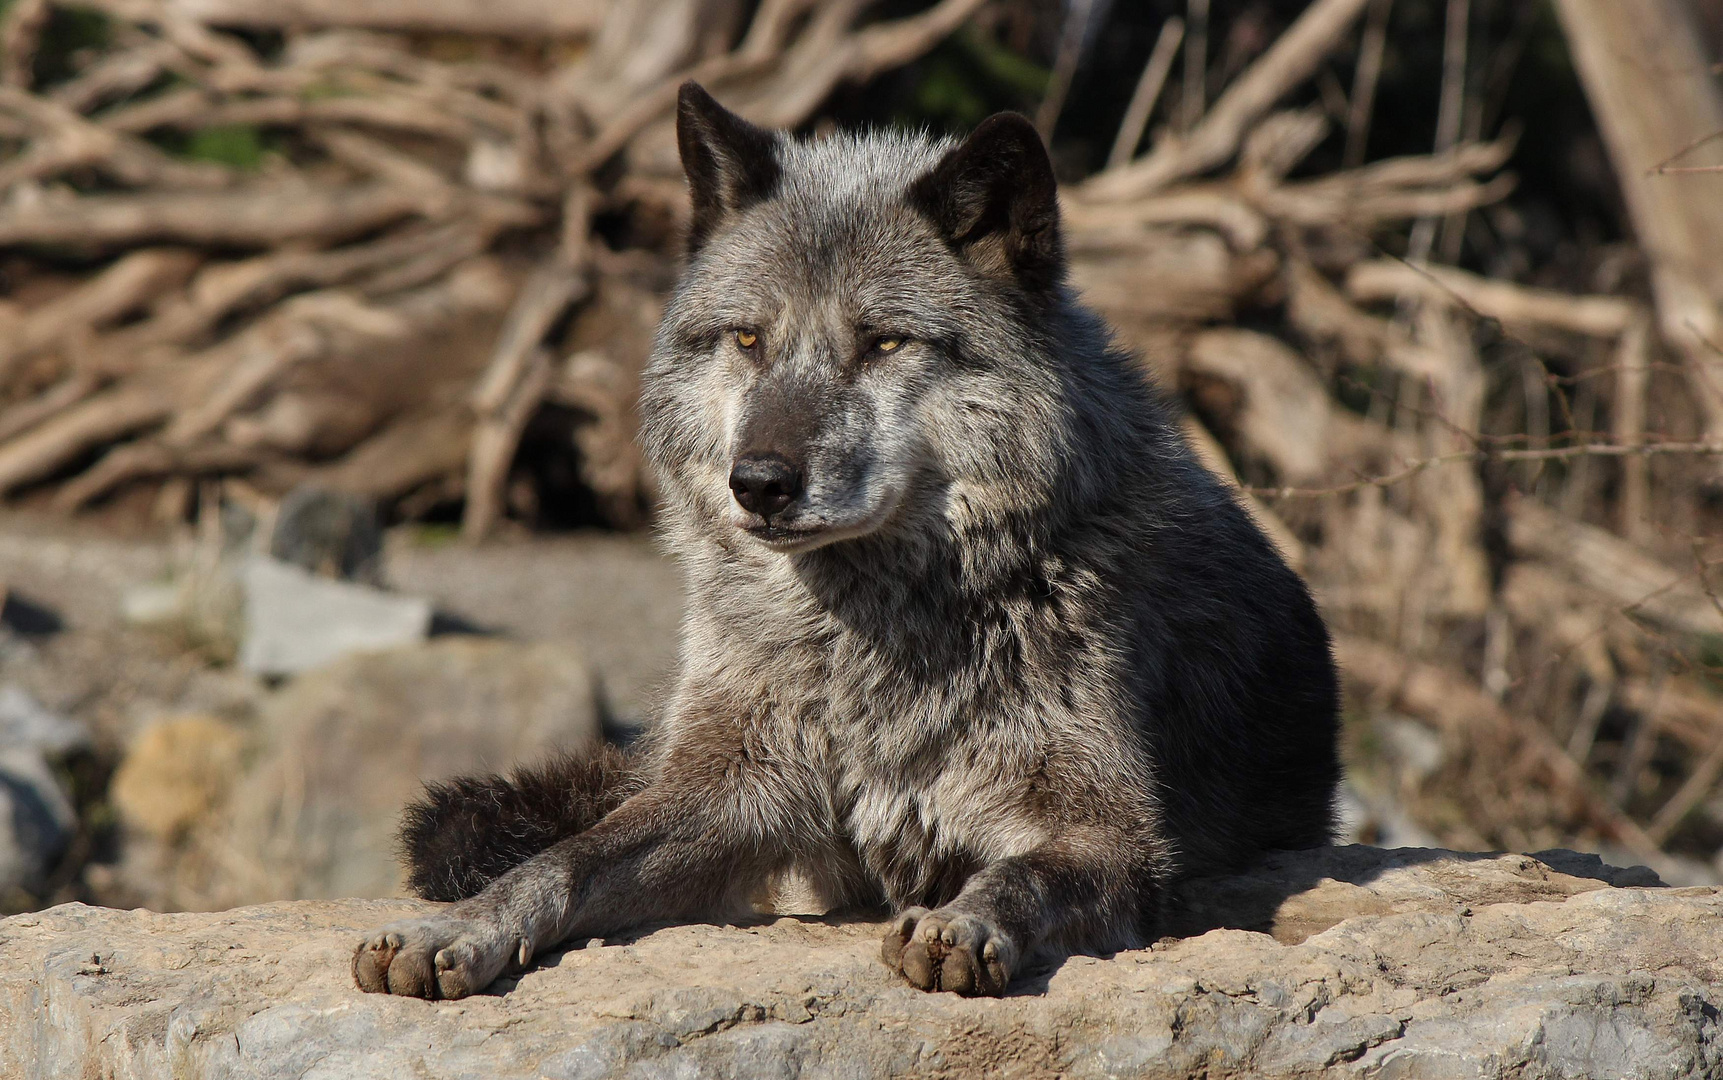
{"type": "Point", "coordinates": [321, 325]}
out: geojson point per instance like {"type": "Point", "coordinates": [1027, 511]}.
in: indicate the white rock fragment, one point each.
{"type": "Point", "coordinates": [296, 620]}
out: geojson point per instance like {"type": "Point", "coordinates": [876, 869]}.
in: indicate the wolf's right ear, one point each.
{"type": "Point", "coordinates": [731, 164]}
{"type": "Point", "coordinates": [995, 200]}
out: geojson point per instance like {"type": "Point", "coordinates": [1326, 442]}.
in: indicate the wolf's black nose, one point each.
{"type": "Point", "coordinates": [765, 483]}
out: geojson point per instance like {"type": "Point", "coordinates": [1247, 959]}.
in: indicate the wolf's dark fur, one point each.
{"type": "Point", "coordinates": [466, 833]}
{"type": "Point", "coordinates": [970, 632]}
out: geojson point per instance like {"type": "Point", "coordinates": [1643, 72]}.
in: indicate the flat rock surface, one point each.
{"type": "Point", "coordinates": [1398, 974]}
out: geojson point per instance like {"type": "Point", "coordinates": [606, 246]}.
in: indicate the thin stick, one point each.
{"type": "Point", "coordinates": [1632, 376]}
{"type": "Point", "coordinates": [1448, 113]}
{"type": "Point", "coordinates": [1370, 50]}
{"type": "Point", "coordinates": [20, 33]}
{"type": "Point", "coordinates": [1148, 92]}
{"type": "Point", "coordinates": [1667, 165]}
{"type": "Point", "coordinates": [1070, 53]}
{"type": "Point", "coordinates": [1193, 104]}
{"type": "Point", "coordinates": [1690, 795]}
{"type": "Point", "coordinates": [1554, 453]}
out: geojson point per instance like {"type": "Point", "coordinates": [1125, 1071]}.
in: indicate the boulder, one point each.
{"type": "Point", "coordinates": [345, 747]}
{"type": "Point", "coordinates": [1407, 963]}
{"type": "Point", "coordinates": [175, 772]}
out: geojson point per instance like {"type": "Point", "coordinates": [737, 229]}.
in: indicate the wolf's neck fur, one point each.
{"type": "Point", "coordinates": [928, 596]}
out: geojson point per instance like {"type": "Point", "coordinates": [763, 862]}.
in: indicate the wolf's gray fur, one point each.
{"type": "Point", "coordinates": [970, 631]}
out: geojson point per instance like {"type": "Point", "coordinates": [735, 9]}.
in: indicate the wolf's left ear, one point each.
{"type": "Point", "coordinates": [995, 200]}
{"type": "Point", "coordinates": [731, 164]}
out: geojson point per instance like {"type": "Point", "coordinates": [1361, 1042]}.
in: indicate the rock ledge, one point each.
{"type": "Point", "coordinates": [1359, 962]}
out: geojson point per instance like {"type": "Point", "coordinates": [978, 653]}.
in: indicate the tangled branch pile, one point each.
{"type": "Point", "coordinates": [1496, 490]}
{"type": "Point", "coordinates": [317, 318]}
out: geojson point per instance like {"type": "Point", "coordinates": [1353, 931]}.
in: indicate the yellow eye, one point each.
{"type": "Point", "coordinates": [747, 339]}
{"type": "Point", "coordinates": [887, 344]}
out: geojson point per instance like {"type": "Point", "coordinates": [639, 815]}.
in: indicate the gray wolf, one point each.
{"type": "Point", "coordinates": [971, 634]}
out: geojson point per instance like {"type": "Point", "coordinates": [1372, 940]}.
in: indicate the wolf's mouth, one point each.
{"type": "Point", "coordinates": [778, 536]}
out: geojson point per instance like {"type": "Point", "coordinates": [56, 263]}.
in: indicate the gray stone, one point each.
{"type": "Point", "coordinates": [1427, 964]}
{"type": "Point", "coordinates": [36, 819]}
{"type": "Point", "coordinates": [296, 620]}
{"type": "Point", "coordinates": [25, 724]}
{"type": "Point", "coordinates": [332, 533]}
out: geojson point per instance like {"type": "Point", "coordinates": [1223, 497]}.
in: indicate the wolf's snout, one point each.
{"type": "Point", "coordinates": [765, 483]}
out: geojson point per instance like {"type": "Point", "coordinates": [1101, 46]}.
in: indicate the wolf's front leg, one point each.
{"type": "Point", "coordinates": [1059, 895]}
{"type": "Point", "coordinates": [663, 854]}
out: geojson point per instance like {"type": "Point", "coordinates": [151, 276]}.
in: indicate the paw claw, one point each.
{"type": "Point", "coordinates": [437, 957]}
{"type": "Point", "coordinates": [949, 950]}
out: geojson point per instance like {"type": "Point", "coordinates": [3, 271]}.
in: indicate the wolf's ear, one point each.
{"type": "Point", "coordinates": [995, 200]}
{"type": "Point", "coordinates": [731, 164]}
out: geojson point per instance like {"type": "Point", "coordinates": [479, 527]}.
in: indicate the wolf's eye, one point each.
{"type": "Point", "coordinates": [747, 339]}
{"type": "Point", "coordinates": [888, 343]}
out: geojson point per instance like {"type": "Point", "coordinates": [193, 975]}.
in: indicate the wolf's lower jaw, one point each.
{"type": "Point", "coordinates": [796, 541]}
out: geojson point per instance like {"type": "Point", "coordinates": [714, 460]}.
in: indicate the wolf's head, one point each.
{"type": "Point", "coordinates": [861, 335]}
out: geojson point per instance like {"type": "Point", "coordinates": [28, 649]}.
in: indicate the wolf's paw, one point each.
{"type": "Point", "coordinates": [437, 957]}
{"type": "Point", "coordinates": [950, 950]}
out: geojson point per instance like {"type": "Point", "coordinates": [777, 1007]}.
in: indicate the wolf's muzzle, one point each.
{"type": "Point", "coordinates": [765, 484]}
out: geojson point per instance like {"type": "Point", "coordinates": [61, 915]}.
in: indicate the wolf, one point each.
{"type": "Point", "coordinates": [971, 633]}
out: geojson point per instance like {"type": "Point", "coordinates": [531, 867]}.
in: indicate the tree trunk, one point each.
{"type": "Point", "coordinates": [1653, 92]}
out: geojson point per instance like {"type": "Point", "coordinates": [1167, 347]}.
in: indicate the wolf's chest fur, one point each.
{"type": "Point", "coordinates": [921, 763]}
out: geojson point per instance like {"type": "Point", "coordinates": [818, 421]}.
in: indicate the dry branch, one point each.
{"type": "Point", "coordinates": [1287, 63]}
{"type": "Point", "coordinates": [263, 216]}
{"type": "Point", "coordinates": [1147, 93]}
{"type": "Point", "coordinates": [534, 19]}
{"type": "Point", "coordinates": [125, 286]}
{"type": "Point", "coordinates": [1389, 280]}
{"type": "Point", "coordinates": [1633, 580]}
{"type": "Point", "coordinates": [103, 419]}
{"type": "Point", "coordinates": [414, 451]}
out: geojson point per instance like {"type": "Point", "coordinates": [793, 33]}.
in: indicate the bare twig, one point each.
{"type": "Point", "coordinates": [1193, 101]}
{"type": "Point", "coordinates": [1147, 93]}
{"type": "Point", "coordinates": [1632, 380]}
{"type": "Point", "coordinates": [20, 31]}
{"type": "Point", "coordinates": [1363, 102]}
{"type": "Point", "coordinates": [1448, 115]}
{"type": "Point", "coordinates": [1668, 163]}
{"type": "Point", "coordinates": [1071, 41]}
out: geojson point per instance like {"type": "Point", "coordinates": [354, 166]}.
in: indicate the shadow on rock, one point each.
{"type": "Point", "coordinates": [1293, 895]}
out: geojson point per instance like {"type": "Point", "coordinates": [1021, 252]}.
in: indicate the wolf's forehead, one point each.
{"type": "Point", "coordinates": [856, 168]}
